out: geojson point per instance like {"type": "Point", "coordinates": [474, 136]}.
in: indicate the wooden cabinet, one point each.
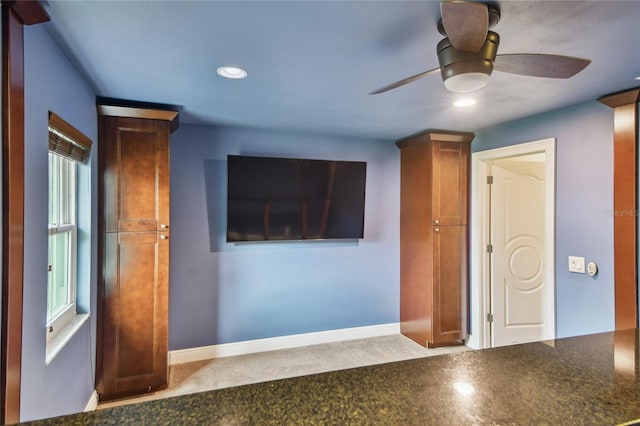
{"type": "Point", "coordinates": [434, 237]}
{"type": "Point", "coordinates": [133, 296]}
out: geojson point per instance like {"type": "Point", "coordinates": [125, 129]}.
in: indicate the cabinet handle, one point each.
{"type": "Point", "coordinates": [436, 222]}
{"type": "Point", "coordinates": [163, 226]}
{"type": "Point", "coordinates": [436, 230]}
{"type": "Point", "coordinates": [164, 237]}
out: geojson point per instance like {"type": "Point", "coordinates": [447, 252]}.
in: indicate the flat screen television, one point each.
{"type": "Point", "coordinates": [294, 199]}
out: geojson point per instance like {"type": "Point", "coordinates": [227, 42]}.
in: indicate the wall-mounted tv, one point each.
{"type": "Point", "coordinates": [294, 199]}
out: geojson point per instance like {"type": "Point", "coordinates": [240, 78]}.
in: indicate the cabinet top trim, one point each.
{"type": "Point", "coordinates": [132, 112]}
{"type": "Point", "coordinates": [617, 99]}
{"type": "Point", "coordinates": [436, 135]}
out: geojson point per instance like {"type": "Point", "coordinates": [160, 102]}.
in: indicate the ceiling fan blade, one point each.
{"type": "Point", "coordinates": [540, 65]}
{"type": "Point", "coordinates": [405, 81]}
{"type": "Point", "coordinates": [465, 23]}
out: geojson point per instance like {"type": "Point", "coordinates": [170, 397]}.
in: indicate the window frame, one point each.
{"type": "Point", "coordinates": [67, 210]}
{"type": "Point", "coordinates": [71, 144]}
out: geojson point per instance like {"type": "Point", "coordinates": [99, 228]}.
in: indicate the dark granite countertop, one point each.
{"type": "Point", "coordinates": [587, 380]}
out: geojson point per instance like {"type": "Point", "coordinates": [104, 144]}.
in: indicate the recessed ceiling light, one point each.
{"type": "Point", "coordinates": [638, 77]}
{"type": "Point", "coordinates": [232, 72]}
{"type": "Point", "coordinates": [464, 102]}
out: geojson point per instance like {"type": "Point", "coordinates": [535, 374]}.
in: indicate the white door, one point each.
{"type": "Point", "coordinates": [518, 277]}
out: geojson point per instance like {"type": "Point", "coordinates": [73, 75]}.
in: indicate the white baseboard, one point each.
{"type": "Point", "coordinates": [92, 404]}
{"type": "Point", "coordinates": [282, 342]}
{"type": "Point", "coordinates": [473, 342]}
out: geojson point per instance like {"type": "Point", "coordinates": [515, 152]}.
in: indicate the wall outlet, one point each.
{"type": "Point", "coordinates": [576, 264]}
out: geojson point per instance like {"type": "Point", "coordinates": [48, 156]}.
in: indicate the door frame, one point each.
{"type": "Point", "coordinates": [480, 217]}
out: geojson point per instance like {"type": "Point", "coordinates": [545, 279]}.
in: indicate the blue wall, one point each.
{"type": "Point", "coordinates": [51, 83]}
{"type": "Point", "coordinates": [223, 293]}
{"type": "Point", "coordinates": [584, 206]}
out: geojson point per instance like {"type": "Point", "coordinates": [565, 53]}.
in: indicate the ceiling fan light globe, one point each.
{"type": "Point", "coordinates": [466, 82]}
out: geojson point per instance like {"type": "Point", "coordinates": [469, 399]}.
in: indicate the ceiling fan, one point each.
{"type": "Point", "coordinates": [468, 53]}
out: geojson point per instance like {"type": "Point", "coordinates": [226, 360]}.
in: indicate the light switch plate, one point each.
{"type": "Point", "coordinates": [576, 264]}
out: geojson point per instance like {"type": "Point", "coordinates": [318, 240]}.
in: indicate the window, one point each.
{"type": "Point", "coordinates": [61, 282]}
{"type": "Point", "coordinates": [68, 150]}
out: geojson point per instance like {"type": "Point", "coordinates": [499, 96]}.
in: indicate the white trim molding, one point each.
{"type": "Point", "coordinates": [479, 275]}
{"type": "Point", "coordinates": [282, 342]}
{"type": "Point", "coordinates": [92, 404]}
{"type": "Point", "coordinates": [56, 343]}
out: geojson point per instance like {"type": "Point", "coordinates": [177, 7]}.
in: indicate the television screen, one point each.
{"type": "Point", "coordinates": [294, 199]}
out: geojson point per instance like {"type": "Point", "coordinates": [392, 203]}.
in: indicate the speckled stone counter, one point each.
{"type": "Point", "coordinates": [589, 380]}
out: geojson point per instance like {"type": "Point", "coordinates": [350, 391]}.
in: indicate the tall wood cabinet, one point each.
{"type": "Point", "coordinates": [133, 298]}
{"type": "Point", "coordinates": [434, 233]}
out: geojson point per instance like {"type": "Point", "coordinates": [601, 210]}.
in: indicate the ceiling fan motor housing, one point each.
{"type": "Point", "coordinates": [466, 71]}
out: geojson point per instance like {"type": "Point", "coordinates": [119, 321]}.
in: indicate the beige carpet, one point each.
{"type": "Point", "coordinates": [226, 372]}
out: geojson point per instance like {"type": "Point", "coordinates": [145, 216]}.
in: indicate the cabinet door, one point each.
{"type": "Point", "coordinates": [135, 178]}
{"type": "Point", "coordinates": [450, 183]}
{"type": "Point", "coordinates": [449, 283]}
{"type": "Point", "coordinates": [134, 251]}
{"type": "Point", "coordinates": [134, 315]}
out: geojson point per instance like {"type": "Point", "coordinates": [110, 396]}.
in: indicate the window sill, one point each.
{"type": "Point", "coordinates": [55, 345]}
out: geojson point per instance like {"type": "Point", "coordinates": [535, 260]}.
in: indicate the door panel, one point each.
{"type": "Point", "coordinates": [450, 186]}
{"type": "Point", "coordinates": [137, 180]}
{"type": "Point", "coordinates": [136, 283]}
{"type": "Point", "coordinates": [134, 313]}
{"type": "Point", "coordinates": [135, 174]}
{"type": "Point", "coordinates": [517, 263]}
{"type": "Point", "coordinates": [449, 283]}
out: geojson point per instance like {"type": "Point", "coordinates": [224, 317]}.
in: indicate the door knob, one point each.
{"type": "Point", "coordinates": [436, 230]}
{"type": "Point", "coordinates": [164, 226]}
{"type": "Point", "coordinates": [164, 237]}
{"type": "Point", "coordinates": [436, 222]}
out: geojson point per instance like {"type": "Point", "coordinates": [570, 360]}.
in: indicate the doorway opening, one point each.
{"type": "Point", "coordinates": [513, 244]}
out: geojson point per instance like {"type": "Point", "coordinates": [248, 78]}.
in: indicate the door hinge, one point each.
{"type": "Point", "coordinates": [489, 180]}
{"type": "Point", "coordinates": [489, 248]}
{"type": "Point", "coordinates": [490, 317]}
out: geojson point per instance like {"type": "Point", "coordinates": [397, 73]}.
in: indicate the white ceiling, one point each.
{"type": "Point", "coordinates": [312, 64]}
